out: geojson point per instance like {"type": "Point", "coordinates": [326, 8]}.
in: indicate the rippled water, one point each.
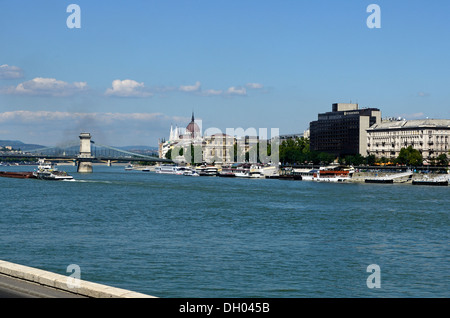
{"type": "Point", "coordinates": [178, 236]}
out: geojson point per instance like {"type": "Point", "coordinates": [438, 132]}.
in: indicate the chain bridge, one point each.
{"type": "Point", "coordinates": [84, 152]}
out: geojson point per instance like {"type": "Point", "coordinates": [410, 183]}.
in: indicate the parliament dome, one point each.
{"type": "Point", "coordinates": [192, 128]}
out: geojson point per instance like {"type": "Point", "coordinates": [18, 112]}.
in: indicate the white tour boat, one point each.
{"type": "Point", "coordinates": [170, 169]}
{"type": "Point", "coordinates": [207, 170]}
{"type": "Point", "coordinates": [190, 173]}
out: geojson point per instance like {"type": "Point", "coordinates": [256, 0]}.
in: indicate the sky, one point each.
{"type": "Point", "coordinates": [134, 68]}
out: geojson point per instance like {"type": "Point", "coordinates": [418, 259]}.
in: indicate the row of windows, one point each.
{"type": "Point", "coordinates": [406, 144]}
{"type": "Point", "coordinates": [409, 132]}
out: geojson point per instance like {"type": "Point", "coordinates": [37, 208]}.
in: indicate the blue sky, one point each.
{"type": "Point", "coordinates": [136, 67]}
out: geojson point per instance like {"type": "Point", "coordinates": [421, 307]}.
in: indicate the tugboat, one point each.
{"type": "Point", "coordinates": [48, 171]}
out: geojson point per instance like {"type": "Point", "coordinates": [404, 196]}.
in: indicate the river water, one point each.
{"type": "Point", "coordinates": [179, 236]}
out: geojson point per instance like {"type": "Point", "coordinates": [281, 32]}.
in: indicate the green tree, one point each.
{"type": "Point", "coordinates": [442, 159]}
{"type": "Point", "coordinates": [196, 154]}
{"type": "Point", "coordinates": [409, 156]}
{"type": "Point", "coordinates": [169, 154]}
{"type": "Point", "coordinates": [325, 158]}
{"type": "Point", "coordinates": [370, 160]}
{"type": "Point", "coordinates": [294, 150]}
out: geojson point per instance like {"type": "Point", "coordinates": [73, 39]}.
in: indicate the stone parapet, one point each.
{"type": "Point", "coordinates": [66, 283]}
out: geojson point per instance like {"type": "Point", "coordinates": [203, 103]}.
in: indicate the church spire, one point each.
{"type": "Point", "coordinates": [192, 120]}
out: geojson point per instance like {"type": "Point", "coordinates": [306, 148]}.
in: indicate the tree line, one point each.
{"type": "Point", "coordinates": [297, 151]}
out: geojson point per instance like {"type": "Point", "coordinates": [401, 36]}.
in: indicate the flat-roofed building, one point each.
{"type": "Point", "coordinates": [343, 131]}
{"type": "Point", "coordinates": [290, 136]}
{"type": "Point", "coordinates": [429, 136]}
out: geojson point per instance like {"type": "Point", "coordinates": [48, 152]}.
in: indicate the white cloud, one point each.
{"type": "Point", "coordinates": [191, 88]}
{"type": "Point", "coordinates": [233, 90]}
{"type": "Point", "coordinates": [40, 86]}
{"type": "Point", "coordinates": [254, 85]}
{"type": "Point", "coordinates": [127, 88]}
{"type": "Point", "coordinates": [212, 92]}
{"type": "Point", "coordinates": [237, 91]}
{"type": "Point", "coordinates": [423, 94]}
{"type": "Point", "coordinates": [25, 116]}
{"type": "Point", "coordinates": [10, 72]}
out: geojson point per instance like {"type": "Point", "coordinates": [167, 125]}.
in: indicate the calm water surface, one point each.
{"type": "Point", "coordinates": [177, 236]}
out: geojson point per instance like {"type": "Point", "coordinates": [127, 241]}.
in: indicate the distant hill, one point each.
{"type": "Point", "coordinates": [17, 144]}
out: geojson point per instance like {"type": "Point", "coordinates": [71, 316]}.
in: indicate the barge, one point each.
{"type": "Point", "coordinates": [19, 175]}
{"type": "Point", "coordinates": [438, 181]}
{"type": "Point", "coordinates": [378, 180]}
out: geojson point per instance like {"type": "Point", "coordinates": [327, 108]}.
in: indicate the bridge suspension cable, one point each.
{"type": "Point", "coordinates": [68, 145]}
{"type": "Point", "coordinates": [124, 151]}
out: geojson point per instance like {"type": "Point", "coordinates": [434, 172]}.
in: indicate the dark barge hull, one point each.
{"type": "Point", "coordinates": [290, 177]}
{"type": "Point", "coordinates": [19, 175]}
{"type": "Point", "coordinates": [226, 175]}
{"type": "Point", "coordinates": [432, 183]}
{"type": "Point", "coordinates": [379, 181]}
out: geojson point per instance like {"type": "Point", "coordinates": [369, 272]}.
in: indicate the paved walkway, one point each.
{"type": "Point", "coordinates": [16, 288]}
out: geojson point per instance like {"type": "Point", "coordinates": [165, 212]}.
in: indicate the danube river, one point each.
{"type": "Point", "coordinates": [179, 236]}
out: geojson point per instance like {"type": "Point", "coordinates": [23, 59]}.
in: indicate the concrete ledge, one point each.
{"type": "Point", "coordinates": [60, 282]}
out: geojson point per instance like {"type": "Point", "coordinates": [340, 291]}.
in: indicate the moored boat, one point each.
{"type": "Point", "coordinates": [167, 169]}
{"type": "Point", "coordinates": [208, 171]}
{"type": "Point", "coordinates": [432, 183]}
{"type": "Point", "coordinates": [336, 174]}
{"type": "Point", "coordinates": [289, 174]}
{"type": "Point", "coordinates": [378, 180]}
{"type": "Point", "coordinates": [242, 174]}
{"type": "Point", "coordinates": [190, 173]}
{"type": "Point", "coordinates": [438, 181]}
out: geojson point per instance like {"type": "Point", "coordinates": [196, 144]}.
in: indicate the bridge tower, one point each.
{"type": "Point", "coordinates": [85, 156]}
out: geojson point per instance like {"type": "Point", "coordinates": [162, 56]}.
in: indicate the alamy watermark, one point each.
{"type": "Point", "coordinates": [73, 281]}
{"type": "Point", "coordinates": [374, 279]}
{"type": "Point", "coordinates": [374, 19]}
{"type": "Point", "coordinates": [235, 145]}
{"type": "Point", "coordinates": [74, 19]}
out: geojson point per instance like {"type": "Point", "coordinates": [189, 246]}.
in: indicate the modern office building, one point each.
{"type": "Point", "coordinates": [429, 136]}
{"type": "Point", "coordinates": [343, 131]}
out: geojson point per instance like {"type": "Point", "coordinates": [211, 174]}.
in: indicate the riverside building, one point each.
{"type": "Point", "coordinates": [217, 148]}
{"type": "Point", "coordinates": [343, 131]}
{"type": "Point", "coordinates": [429, 136]}
{"type": "Point", "coordinates": [182, 138]}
